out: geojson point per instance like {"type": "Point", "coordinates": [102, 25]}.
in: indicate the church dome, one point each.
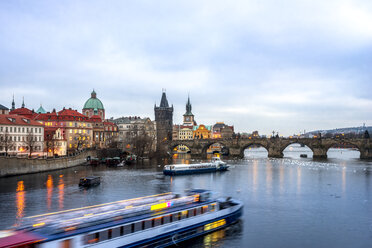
{"type": "Point", "coordinates": [93, 102]}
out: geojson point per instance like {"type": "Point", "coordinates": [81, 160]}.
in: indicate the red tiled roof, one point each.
{"type": "Point", "coordinates": [96, 118]}
{"type": "Point", "coordinates": [71, 112]}
{"type": "Point", "coordinates": [107, 123]}
{"type": "Point", "coordinates": [23, 111]}
{"type": "Point", "coordinates": [18, 120]}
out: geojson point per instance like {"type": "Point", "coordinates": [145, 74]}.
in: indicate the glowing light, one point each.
{"type": "Point", "coordinates": [61, 192]}
{"type": "Point", "coordinates": [49, 185]}
{"type": "Point", "coordinates": [161, 205]}
{"type": "Point", "coordinates": [20, 199]}
{"type": "Point", "coordinates": [39, 224]}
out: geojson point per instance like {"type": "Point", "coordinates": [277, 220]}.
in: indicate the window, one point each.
{"type": "Point", "coordinates": [176, 216]}
{"type": "Point", "coordinates": [137, 226]}
{"type": "Point", "coordinates": [103, 235]}
{"type": "Point", "coordinates": [157, 221]}
{"type": "Point", "coordinates": [65, 243]}
{"type": "Point", "coordinates": [147, 224]}
{"type": "Point", "coordinates": [184, 214]}
{"type": "Point", "coordinates": [127, 229]}
{"type": "Point", "coordinates": [166, 219]}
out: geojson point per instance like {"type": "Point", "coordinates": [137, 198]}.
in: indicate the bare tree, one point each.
{"type": "Point", "coordinates": [139, 141]}
{"type": "Point", "coordinates": [30, 142]}
{"type": "Point", "coordinates": [6, 141]}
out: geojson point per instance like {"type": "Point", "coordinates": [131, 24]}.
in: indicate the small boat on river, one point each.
{"type": "Point", "coordinates": [180, 169]}
{"type": "Point", "coordinates": [89, 181]}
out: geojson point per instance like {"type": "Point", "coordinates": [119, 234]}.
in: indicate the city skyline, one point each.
{"type": "Point", "coordinates": [257, 66]}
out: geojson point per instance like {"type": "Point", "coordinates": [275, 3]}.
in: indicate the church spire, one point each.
{"type": "Point", "coordinates": [188, 106]}
{"type": "Point", "coordinates": [23, 102]}
{"type": "Point", "coordinates": [13, 103]}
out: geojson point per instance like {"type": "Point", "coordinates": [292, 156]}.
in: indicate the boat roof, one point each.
{"type": "Point", "coordinates": [90, 177]}
{"type": "Point", "coordinates": [62, 221]}
{"type": "Point", "coordinates": [18, 238]}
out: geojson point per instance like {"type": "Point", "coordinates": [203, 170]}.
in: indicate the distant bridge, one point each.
{"type": "Point", "coordinates": [274, 146]}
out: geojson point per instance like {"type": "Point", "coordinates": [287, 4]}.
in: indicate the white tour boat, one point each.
{"type": "Point", "coordinates": [178, 169]}
{"type": "Point", "coordinates": [153, 221]}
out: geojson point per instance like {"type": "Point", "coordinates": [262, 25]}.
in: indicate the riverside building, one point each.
{"type": "Point", "coordinates": [20, 135]}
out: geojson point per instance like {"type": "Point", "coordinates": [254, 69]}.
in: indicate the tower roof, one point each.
{"type": "Point", "coordinates": [164, 101]}
{"type": "Point", "coordinates": [188, 107]}
{"type": "Point", "coordinates": [93, 102]}
{"type": "Point", "coordinates": [41, 110]}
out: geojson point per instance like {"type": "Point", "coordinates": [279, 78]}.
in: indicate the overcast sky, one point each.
{"type": "Point", "coordinates": [258, 65]}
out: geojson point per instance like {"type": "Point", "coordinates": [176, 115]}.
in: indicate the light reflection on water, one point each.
{"type": "Point", "coordinates": [297, 202]}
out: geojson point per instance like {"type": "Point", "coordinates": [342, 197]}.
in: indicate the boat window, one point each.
{"type": "Point", "coordinates": [204, 209]}
{"type": "Point", "coordinates": [103, 235]}
{"type": "Point", "coordinates": [121, 230]}
{"type": "Point", "coordinates": [137, 226]}
{"type": "Point", "coordinates": [65, 243]}
{"type": "Point", "coordinates": [157, 221]}
{"type": "Point", "coordinates": [127, 229]}
{"type": "Point", "coordinates": [90, 238]}
{"type": "Point", "coordinates": [198, 211]}
{"type": "Point", "coordinates": [166, 219]}
{"type": "Point", "coordinates": [184, 214]}
{"type": "Point", "coordinates": [176, 216]}
{"type": "Point", "coordinates": [190, 213]}
{"type": "Point", "coordinates": [109, 234]}
{"type": "Point", "coordinates": [213, 207]}
{"type": "Point", "coordinates": [147, 224]}
{"type": "Point", "coordinates": [116, 232]}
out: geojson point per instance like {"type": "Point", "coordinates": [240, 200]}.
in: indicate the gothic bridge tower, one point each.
{"type": "Point", "coordinates": [164, 123]}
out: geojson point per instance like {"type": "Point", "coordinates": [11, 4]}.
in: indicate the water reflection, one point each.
{"type": "Point", "coordinates": [49, 186]}
{"type": "Point", "coordinates": [299, 180]}
{"type": "Point", "coordinates": [269, 178]}
{"type": "Point", "coordinates": [61, 192]}
{"type": "Point", "coordinates": [255, 176]}
{"type": "Point", "coordinates": [211, 240]}
{"type": "Point", "coordinates": [20, 200]}
{"type": "Point", "coordinates": [343, 180]}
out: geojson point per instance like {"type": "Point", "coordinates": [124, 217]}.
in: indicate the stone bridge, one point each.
{"type": "Point", "coordinates": [274, 146]}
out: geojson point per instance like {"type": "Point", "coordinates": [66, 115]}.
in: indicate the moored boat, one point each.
{"type": "Point", "coordinates": [216, 164]}
{"type": "Point", "coordinates": [153, 221]}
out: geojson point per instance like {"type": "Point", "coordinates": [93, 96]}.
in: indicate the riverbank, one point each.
{"type": "Point", "coordinates": [13, 166]}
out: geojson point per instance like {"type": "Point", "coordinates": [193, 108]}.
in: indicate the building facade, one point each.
{"type": "Point", "coordinates": [133, 126]}
{"type": "Point", "coordinates": [202, 132]}
{"type": "Point", "coordinates": [20, 135]}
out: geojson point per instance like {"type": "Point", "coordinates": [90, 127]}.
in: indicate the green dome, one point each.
{"type": "Point", "coordinates": [93, 102]}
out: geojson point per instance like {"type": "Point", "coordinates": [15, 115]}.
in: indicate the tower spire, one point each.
{"type": "Point", "coordinates": [13, 103]}
{"type": "Point", "coordinates": [23, 102]}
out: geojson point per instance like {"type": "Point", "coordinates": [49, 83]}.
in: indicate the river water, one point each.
{"type": "Point", "coordinates": [289, 202]}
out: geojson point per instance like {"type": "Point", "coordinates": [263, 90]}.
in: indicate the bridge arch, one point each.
{"type": "Point", "coordinates": [252, 144]}
{"type": "Point", "coordinates": [303, 144]}
{"type": "Point", "coordinates": [342, 144]}
{"type": "Point", "coordinates": [224, 148]}
{"type": "Point", "coordinates": [173, 147]}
